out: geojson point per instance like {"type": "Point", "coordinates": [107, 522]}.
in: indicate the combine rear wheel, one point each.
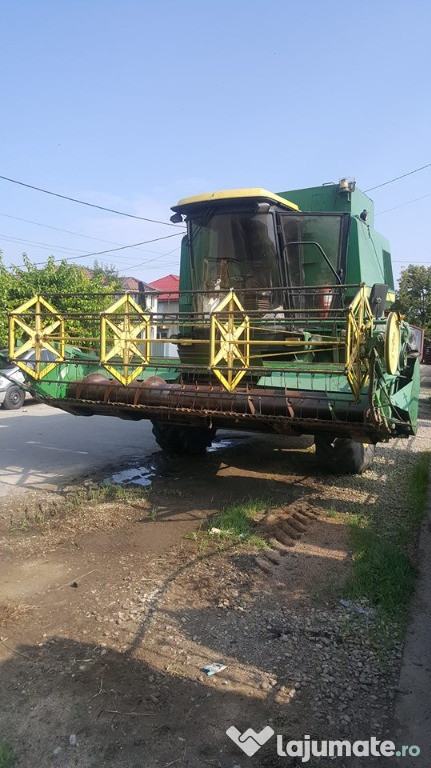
{"type": "Point", "coordinates": [187, 441]}
{"type": "Point", "coordinates": [343, 456]}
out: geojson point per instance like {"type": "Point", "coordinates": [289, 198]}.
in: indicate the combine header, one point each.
{"type": "Point", "coordinates": [283, 325]}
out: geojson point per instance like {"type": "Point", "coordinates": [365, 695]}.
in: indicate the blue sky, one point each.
{"type": "Point", "coordinates": [133, 105]}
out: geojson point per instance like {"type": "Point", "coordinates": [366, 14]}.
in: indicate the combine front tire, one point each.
{"type": "Point", "coordinates": [342, 456]}
{"type": "Point", "coordinates": [187, 441]}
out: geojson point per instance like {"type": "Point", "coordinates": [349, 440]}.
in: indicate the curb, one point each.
{"type": "Point", "coordinates": [428, 500]}
{"type": "Point", "coordinates": [412, 719]}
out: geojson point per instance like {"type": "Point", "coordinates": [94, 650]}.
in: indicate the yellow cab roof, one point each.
{"type": "Point", "coordinates": [235, 194]}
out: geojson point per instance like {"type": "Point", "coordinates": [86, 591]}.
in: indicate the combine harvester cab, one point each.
{"type": "Point", "coordinates": [284, 325]}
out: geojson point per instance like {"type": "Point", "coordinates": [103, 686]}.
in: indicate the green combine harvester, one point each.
{"type": "Point", "coordinates": [284, 325]}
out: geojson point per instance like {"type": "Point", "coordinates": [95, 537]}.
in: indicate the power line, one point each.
{"type": "Point", "coordinates": [408, 202]}
{"type": "Point", "coordinates": [113, 250]}
{"type": "Point", "coordinates": [39, 247]}
{"type": "Point", "coordinates": [148, 267]}
{"type": "Point", "coordinates": [38, 244]}
{"type": "Point", "coordinates": [144, 263]}
{"type": "Point", "coordinates": [83, 254]}
{"type": "Point", "coordinates": [58, 229]}
{"type": "Point", "coordinates": [67, 231]}
{"type": "Point", "coordinates": [61, 249]}
{"type": "Point", "coordinates": [85, 202]}
{"type": "Point", "coordinates": [384, 184]}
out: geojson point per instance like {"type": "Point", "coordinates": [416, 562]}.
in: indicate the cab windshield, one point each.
{"type": "Point", "coordinates": [235, 250]}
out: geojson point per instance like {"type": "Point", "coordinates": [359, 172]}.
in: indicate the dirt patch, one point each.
{"type": "Point", "coordinates": [126, 602]}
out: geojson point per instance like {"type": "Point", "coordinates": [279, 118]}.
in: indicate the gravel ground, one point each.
{"type": "Point", "coordinates": [109, 672]}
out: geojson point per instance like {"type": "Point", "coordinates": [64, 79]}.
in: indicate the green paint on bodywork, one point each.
{"type": "Point", "coordinates": [406, 400]}
{"type": "Point", "coordinates": [368, 256]}
{"type": "Point", "coordinates": [55, 383]}
{"type": "Point", "coordinates": [368, 252]}
{"type": "Point", "coordinates": [309, 382]}
{"type": "Point", "coordinates": [329, 198]}
{"type": "Point", "coordinates": [185, 299]}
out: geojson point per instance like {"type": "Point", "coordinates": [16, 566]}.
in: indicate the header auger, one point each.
{"type": "Point", "coordinates": [283, 325]}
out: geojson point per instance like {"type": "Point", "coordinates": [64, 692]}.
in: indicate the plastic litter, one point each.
{"type": "Point", "coordinates": [357, 607]}
{"type": "Point", "coordinates": [212, 669]}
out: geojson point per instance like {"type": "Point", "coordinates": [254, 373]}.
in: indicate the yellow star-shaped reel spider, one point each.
{"type": "Point", "coordinates": [359, 329]}
{"type": "Point", "coordinates": [233, 341]}
{"type": "Point", "coordinates": [125, 332]}
{"type": "Point", "coordinates": [39, 336]}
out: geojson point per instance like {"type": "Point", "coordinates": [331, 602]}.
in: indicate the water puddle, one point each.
{"type": "Point", "coordinates": [161, 465]}
{"type": "Point", "coordinates": [142, 476]}
{"type": "Point", "coordinates": [218, 444]}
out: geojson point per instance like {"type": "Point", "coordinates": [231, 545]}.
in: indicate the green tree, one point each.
{"type": "Point", "coordinates": [108, 272]}
{"type": "Point", "coordinates": [68, 287]}
{"type": "Point", "coordinates": [5, 286]}
{"type": "Point", "coordinates": [414, 296]}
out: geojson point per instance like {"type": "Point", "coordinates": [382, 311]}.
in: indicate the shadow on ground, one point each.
{"type": "Point", "coordinates": [123, 712]}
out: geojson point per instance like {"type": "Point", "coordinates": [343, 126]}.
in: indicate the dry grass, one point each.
{"type": "Point", "coordinates": [60, 516]}
{"type": "Point", "coordinates": [10, 611]}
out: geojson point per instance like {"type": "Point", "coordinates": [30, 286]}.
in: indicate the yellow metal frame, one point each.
{"type": "Point", "coordinates": [125, 339]}
{"type": "Point", "coordinates": [360, 325]}
{"type": "Point", "coordinates": [232, 339]}
{"type": "Point", "coordinates": [126, 334]}
{"type": "Point", "coordinates": [38, 336]}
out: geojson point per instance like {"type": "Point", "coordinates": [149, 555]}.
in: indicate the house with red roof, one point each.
{"type": "Point", "coordinates": [167, 288]}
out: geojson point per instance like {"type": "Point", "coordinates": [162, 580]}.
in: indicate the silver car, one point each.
{"type": "Point", "coordinates": [12, 396]}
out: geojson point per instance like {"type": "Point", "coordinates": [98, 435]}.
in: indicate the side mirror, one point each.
{"type": "Point", "coordinates": [176, 218]}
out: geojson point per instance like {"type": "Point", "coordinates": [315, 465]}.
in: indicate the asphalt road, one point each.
{"type": "Point", "coordinates": [42, 447]}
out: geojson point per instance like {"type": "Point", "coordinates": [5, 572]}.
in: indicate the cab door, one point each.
{"type": "Point", "coordinates": [313, 255]}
